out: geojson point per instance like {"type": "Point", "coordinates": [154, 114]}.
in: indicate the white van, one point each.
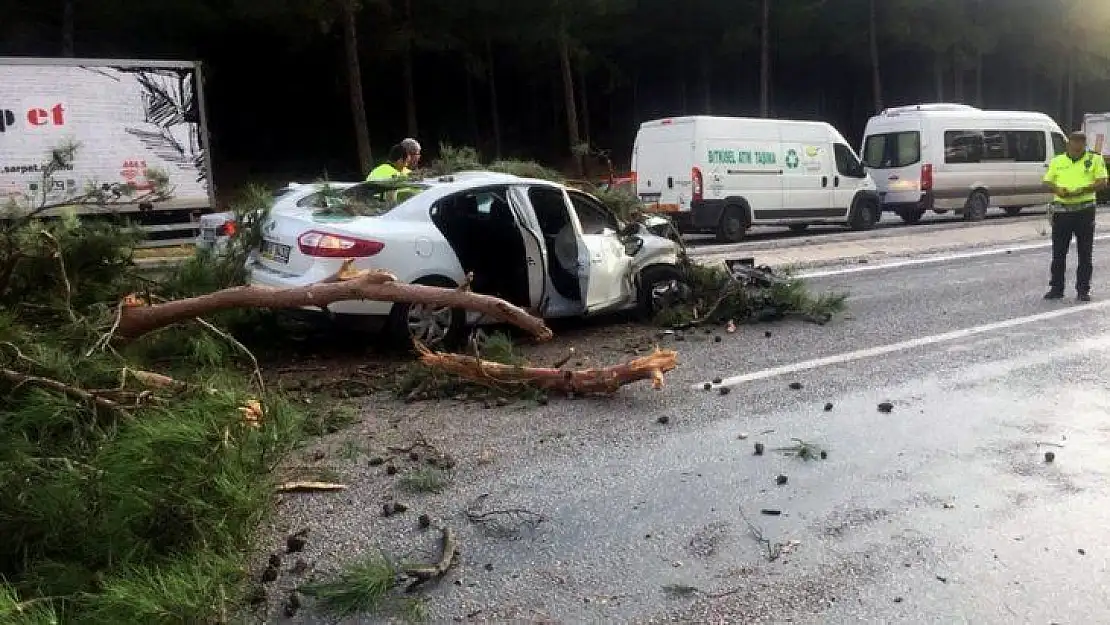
{"type": "Point", "coordinates": [954, 157]}
{"type": "Point", "coordinates": [724, 175]}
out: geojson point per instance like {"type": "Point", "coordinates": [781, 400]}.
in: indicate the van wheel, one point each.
{"type": "Point", "coordinates": [865, 214]}
{"type": "Point", "coordinates": [733, 224]}
{"type": "Point", "coordinates": [976, 207]}
{"type": "Point", "coordinates": [1012, 211]}
{"type": "Point", "coordinates": [434, 326]}
{"type": "Point", "coordinates": [911, 215]}
{"type": "Point", "coordinates": [798, 227]}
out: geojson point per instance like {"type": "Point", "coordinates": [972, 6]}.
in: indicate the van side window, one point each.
{"type": "Point", "coordinates": [847, 164]}
{"type": "Point", "coordinates": [994, 146]}
{"type": "Point", "coordinates": [1059, 144]}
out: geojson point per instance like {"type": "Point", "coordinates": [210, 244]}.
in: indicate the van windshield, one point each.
{"type": "Point", "coordinates": [892, 149]}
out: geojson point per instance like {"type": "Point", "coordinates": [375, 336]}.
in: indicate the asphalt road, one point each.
{"type": "Point", "coordinates": [941, 511]}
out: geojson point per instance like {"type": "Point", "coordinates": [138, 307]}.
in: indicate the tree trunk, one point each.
{"type": "Point", "coordinates": [635, 97]}
{"type": "Point", "coordinates": [408, 70]}
{"type": "Point", "coordinates": [957, 78]}
{"type": "Point", "coordinates": [354, 84]}
{"type": "Point", "coordinates": [707, 84]}
{"type": "Point", "coordinates": [684, 100]}
{"type": "Point", "coordinates": [873, 38]}
{"type": "Point", "coordinates": [1030, 92]}
{"type": "Point", "coordinates": [587, 135]}
{"type": "Point", "coordinates": [494, 110]}
{"type": "Point", "coordinates": [137, 318]}
{"type": "Point", "coordinates": [938, 75]}
{"type": "Point", "coordinates": [979, 79]}
{"type": "Point", "coordinates": [568, 97]}
{"type": "Point", "coordinates": [765, 62]}
{"type": "Point", "coordinates": [1069, 98]}
{"type": "Point", "coordinates": [587, 382]}
{"type": "Point", "coordinates": [472, 109]}
{"type": "Point", "coordinates": [68, 27]}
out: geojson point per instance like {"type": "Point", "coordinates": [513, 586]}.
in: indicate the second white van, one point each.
{"type": "Point", "coordinates": [724, 175]}
{"type": "Point", "coordinates": [954, 157]}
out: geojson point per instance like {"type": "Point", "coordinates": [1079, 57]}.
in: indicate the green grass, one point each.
{"type": "Point", "coordinates": [425, 480]}
{"type": "Point", "coordinates": [364, 586]}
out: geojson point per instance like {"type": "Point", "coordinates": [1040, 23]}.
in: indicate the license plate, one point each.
{"type": "Point", "coordinates": [275, 251]}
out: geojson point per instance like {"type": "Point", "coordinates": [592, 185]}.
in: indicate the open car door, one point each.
{"type": "Point", "coordinates": [534, 250]}
{"type": "Point", "coordinates": [605, 269]}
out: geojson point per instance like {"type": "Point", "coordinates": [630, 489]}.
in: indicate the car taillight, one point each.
{"type": "Point", "coordinates": [229, 228]}
{"type": "Point", "coordinates": [324, 245]}
{"type": "Point", "coordinates": [696, 181]}
{"type": "Point", "coordinates": [927, 177]}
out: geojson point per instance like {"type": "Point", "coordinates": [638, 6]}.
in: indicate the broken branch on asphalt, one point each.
{"type": "Point", "coordinates": [603, 381]}
{"type": "Point", "coordinates": [422, 574]}
{"type": "Point", "coordinates": [140, 317]}
{"type": "Point", "coordinates": [505, 520]}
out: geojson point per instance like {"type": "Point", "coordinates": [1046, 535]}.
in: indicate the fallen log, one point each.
{"type": "Point", "coordinates": [603, 381]}
{"type": "Point", "coordinates": [138, 317]}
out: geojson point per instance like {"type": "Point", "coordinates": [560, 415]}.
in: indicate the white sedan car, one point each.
{"type": "Point", "coordinates": [548, 248]}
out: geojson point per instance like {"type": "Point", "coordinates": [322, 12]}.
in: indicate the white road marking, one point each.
{"type": "Point", "coordinates": [871, 352]}
{"type": "Point", "coordinates": [932, 259]}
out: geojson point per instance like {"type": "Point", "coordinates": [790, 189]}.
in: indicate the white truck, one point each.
{"type": "Point", "coordinates": [725, 175]}
{"type": "Point", "coordinates": [127, 117]}
{"type": "Point", "coordinates": [1097, 128]}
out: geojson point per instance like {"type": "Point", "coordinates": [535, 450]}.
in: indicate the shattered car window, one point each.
{"type": "Point", "coordinates": [368, 199]}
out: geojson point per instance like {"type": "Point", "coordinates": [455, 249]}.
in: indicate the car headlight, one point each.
{"type": "Point", "coordinates": [633, 245]}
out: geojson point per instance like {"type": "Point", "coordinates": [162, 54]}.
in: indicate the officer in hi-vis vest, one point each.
{"type": "Point", "coordinates": [1075, 177]}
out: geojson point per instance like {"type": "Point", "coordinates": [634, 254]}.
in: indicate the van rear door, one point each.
{"type": "Point", "coordinates": [893, 158]}
{"type": "Point", "coordinates": [663, 161]}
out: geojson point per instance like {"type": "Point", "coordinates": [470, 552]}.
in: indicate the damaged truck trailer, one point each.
{"type": "Point", "coordinates": [128, 118]}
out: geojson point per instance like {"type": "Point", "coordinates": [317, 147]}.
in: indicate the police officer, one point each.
{"type": "Point", "coordinates": [396, 167]}
{"type": "Point", "coordinates": [1075, 177]}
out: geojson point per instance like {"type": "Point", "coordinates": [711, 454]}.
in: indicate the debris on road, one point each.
{"type": "Point", "coordinates": [664, 420]}
{"type": "Point", "coordinates": [421, 574]}
{"type": "Point", "coordinates": [828, 407]}
{"type": "Point", "coordinates": [310, 487]}
{"type": "Point", "coordinates": [795, 386]}
{"type": "Point", "coordinates": [781, 480]}
{"type": "Point", "coordinates": [803, 450]}
{"type": "Point", "coordinates": [1049, 456]}
{"type": "Point", "coordinates": [886, 407]}
{"type": "Point", "coordinates": [296, 541]}
{"type": "Point", "coordinates": [759, 449]}
{"type": "Point", "coordinates": [506, 521]}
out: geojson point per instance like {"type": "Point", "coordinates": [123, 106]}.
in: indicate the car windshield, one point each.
{"type": "Point", "coordinates": [366, 199]}
{"type": "Point", "coordinates": [892, 149]}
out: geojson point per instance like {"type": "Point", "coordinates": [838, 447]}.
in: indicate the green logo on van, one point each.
{"type": "Point", "coordinates": [792, 159]}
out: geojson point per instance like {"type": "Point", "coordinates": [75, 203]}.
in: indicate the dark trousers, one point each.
{"type": "Point", "coordinates": [1081, 225]}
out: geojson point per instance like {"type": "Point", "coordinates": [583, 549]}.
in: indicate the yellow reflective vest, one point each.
{"type": "Point", "coordinates": [1069, 174]}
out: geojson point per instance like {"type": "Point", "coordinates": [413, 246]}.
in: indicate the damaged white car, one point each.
{"type": "Point", "coordinates": [548, 248]}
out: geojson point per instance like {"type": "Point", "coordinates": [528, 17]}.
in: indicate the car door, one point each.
{"type": "Point", "coordinates": [607, 281]}
{"type": "Point", "coordinates": [534, 250]}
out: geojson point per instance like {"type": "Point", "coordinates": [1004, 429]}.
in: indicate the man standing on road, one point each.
{"type": "Point", "coordinates": [1075, 178]}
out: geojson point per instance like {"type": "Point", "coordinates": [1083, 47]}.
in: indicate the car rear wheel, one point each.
{"type": "Point", "coordinates": [865, 214]}
{"type": "Point", "coordinates": [434, 326]}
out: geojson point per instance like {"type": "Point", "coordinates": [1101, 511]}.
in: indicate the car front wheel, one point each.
{"type": "Point", "coordinates": [438, 327]}
{"type": "Point", "coordinates": [661, 286]}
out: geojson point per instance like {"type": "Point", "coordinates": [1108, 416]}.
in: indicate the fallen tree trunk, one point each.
{"type": "Point", "coordinates": [602, 381]}
{"type": "Point", "coordinates": [138, 317]}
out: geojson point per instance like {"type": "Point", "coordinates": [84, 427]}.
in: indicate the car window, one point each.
{"type": "Point", "coordinates": [594, 217]}
{"type": "Point", "coordinates": [550, 208]}
{"type": "Point", "coordinates": [892, 149]}
{"type": "Point", "coordinates": [847, 164]}
{"type": "Point", "coordinates": [366, 199]}
{"type": "Point", "coordinates": [996, 146]}
{"type": "Point", "coordinates": [1059, 144]}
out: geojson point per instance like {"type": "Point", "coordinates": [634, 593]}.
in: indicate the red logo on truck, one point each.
{"type": "Point", "coordinates": [35, 116]}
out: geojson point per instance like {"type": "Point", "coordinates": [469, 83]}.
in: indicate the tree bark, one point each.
{"type": "Point", "coordinates": [68, 27]}
{"type": "Point", "coordinates": [979, 79]}
{"type": "Point", "coordinates": [603, 381]}
{"type": "Point", "coordinates": [957, 77]}
{"type": "Point", "coordinates": [569, 99]}
{"type": "Point", "coordinates": [583, 89]}
{"type": "Point", "coordinates": [938, 75]}
{"type": "Point", "coordinates": [408, 71]}
{"type": "Point", "coordinates": [494, 110]}
{"type": "Point", "coordinates": [707, 84]}
{"type": "Point", "coordinates": [765, 62]}
{"type": "Point", "coordinates": [138, 318]}
{"type": "Point", "coordinates": [873, 39]}
{"type": "Point", "coordinates": [354, 83]}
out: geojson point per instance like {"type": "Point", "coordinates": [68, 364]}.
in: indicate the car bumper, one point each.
{"type": "Point", "coordinates": [259, 275]}
{"type": "Point", "coordinates": [913, 200]}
